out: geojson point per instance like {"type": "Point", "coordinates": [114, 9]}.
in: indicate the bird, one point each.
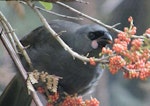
{"type": "Point", "coordinates": [48, 55]}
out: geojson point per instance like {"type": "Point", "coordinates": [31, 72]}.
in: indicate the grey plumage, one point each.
{"type": "Point", "coordinates": [48, 55]}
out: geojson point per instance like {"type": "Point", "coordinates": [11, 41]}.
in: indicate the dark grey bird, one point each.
{"type": "Point", "coordinates": [48, 55]}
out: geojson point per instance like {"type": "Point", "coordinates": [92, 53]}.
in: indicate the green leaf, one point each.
{"type": "Point", "coordinates": [46, 5]}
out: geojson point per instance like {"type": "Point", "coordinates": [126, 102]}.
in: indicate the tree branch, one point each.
{"type": "Point", "coordinates": [9, 29]}
{"type": "Point", "coordinates": [18, 63]}
{"type": "Point", "coordinates": [60, 15]}
{"type": "Point", "coordinates": [63, 44]}
{"type": "Point", "coordinates": [54, 13]}
{"type": "Point", "coordinates": [53, 0]}
{"type": "Point", "coordinates": [88, 17]}
{"type": "Point", "coordinates": [111, 28]}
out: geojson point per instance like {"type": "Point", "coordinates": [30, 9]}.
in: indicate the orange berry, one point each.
{"type": "Point", "coordinates": [136, 44]}
{"type": "Point", "coordinates": [130, 19]}
{"type": "Point", "coordinates": [92, 62]}
{"type": "Point", "coordinates": [133, 31]}
{"type": "Point", "coordinates": [119, 48]}
{"type": "Point", "coordinates": [116, 63]}
{"type": "Point", "coordinates": [126, 29]}
{"type": "Point", "coordinates": [106, 50]}
{"type": "Point", "coordinates": [147, 31]}
{"type": "Point", "coordinates": [92, 102]}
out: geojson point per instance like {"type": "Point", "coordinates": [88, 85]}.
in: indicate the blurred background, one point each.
{"type": "Point", "coordinates": [112, 90]}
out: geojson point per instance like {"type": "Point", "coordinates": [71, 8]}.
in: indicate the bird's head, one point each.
{"type": "Point", "coordinates": [91, 38]}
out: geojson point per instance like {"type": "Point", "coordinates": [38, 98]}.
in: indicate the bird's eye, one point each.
{"type": "Point", "coordinates": [91, 36]}
{"type": "Point", "coordinates": [95, 35]}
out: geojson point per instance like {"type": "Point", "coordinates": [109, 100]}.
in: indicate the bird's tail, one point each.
{"type": "Point", "coordinates": [16, 93]}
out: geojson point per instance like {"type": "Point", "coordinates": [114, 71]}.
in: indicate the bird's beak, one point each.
{"type": "Point", "coordinates": [107, 37]}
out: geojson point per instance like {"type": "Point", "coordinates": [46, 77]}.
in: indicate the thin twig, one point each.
{"type": "Point", "coordinates": [18, 63]}
{"type": "Point", "coordinates": [111, 28]}
{"type": "Point", "coordinates": [63, 44]}
{"type": "Point", "coordinates": [57, 14]}
{"type": "Point", "coordinates": [54, 13]}
{"type": "Point", "coordinates": [9, 35]}
{"type": "Point", "coordinates": [88, 17]}
{"type": "Point", "coordinates": [13, 54]}
{"type": "Point", "coordinates": [20, 46]}
{"type": "Point", "coordinates": [52, 1]}
{"type": "Point", "coordinates": [82, 1]}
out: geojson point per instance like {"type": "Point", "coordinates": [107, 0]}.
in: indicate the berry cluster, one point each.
{"type": "Point", "coordinates": [116, 63]}
{"type": "Point", "coordinates": [53, 99]}
{"type": "Point", "coordinates": [73, 101]}
{"type": "Point", "coordinates": [130, 53]}
{"type": "Point", "coordinates": [78, 101]}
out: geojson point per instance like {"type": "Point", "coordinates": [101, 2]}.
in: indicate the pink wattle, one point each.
{"type": "Point", "coordinates": [94, 44]}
